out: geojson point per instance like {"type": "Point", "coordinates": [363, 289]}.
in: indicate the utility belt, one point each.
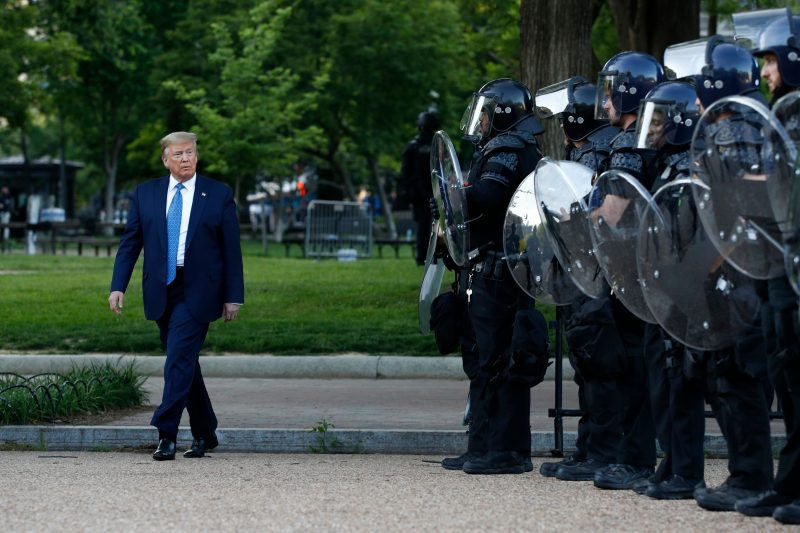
{"type": "Point", "coordinates": [489, 264]}
{"type": "Point", "coordinates": [482, 263]}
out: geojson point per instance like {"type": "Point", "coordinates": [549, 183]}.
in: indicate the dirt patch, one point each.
{"type": "Point", "coordinates": [99, 419]}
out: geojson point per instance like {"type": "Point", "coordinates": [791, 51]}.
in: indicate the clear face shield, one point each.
{"type": "Point", "coordinates": [748, 27]}
{"type": "Point", "coordinates": [553, 99]}
{"type": "Point", "coordinates": [686, 59]}
{"type": "Point", "coordinates": [657, 121]}
{"type": "Point", "coordinates": [607, 83]}
{"type": "Point", "coordinates": [476, 123]}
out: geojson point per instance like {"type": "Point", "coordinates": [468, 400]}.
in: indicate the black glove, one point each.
{"type": "Point", "coordinates": [434, 209]}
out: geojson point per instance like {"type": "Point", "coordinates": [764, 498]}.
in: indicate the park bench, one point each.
{"type": "Point", "coordinates": [89, 242]}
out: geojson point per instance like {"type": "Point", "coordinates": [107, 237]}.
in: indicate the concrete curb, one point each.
{"type": "Point", "coordinates": [377, 441]}
{"type": "Point", "coordinates": [265, 366]}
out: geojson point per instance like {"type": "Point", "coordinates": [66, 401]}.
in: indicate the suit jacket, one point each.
{"type": "Point", "coordinates": [212, 273]}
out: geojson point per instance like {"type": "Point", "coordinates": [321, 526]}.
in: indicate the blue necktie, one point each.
{"type": "Point", "coordinates": [174, 232]}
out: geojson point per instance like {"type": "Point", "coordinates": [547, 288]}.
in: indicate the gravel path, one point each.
{"type": "Point", "coordinates": [94, 491]}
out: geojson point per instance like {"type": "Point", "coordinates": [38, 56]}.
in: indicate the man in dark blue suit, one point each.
{"type": "Point", "coordinates": [188, 228]}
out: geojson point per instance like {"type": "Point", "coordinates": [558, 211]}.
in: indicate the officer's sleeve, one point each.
{"type": "Point", "coordinates": [493, 189]}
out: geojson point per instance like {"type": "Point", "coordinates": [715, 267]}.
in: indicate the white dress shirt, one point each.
{"type": "Point", "coordinates": [187, 195]}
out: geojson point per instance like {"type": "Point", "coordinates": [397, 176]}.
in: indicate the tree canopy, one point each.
{"type": "Point", "coordinates": [266, 83]}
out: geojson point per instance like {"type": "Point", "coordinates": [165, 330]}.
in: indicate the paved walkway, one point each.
{"type": "Point", "coordinates": [84, 491]}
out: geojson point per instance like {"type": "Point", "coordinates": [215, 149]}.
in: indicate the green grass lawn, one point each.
{"type": "Point", "coordinates": [292, 306]}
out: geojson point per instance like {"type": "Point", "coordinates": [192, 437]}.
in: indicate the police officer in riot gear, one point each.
{"type": "Point", "coordinates": [508, 353]}
{"type": "Point", "coordinates": [667, 118]}
{"type": "Point", "coordinates": [416, 175]}
{"type": "Point", "coordinates": [778, 43]}
{"type": "Point", "coordinates": [625, 79]}
{"type": "Point", "coordinates": [586, 141]}
{"type": "Point", "coordinates": [734, 376]}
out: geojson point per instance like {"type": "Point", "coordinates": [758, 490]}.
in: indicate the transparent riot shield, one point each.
{"type": "Point", "coordinates": [529, 254]}
{"type": "Point", "coordinates": [448, 192]}
{"type": "Point", "coordinates": [787, 112]}
{"type": "Point", "coordinates": [562, 188]}
{"type": "Point", "coordinates": [431, 281]}
{"type": "Point", "coordinates": [740, 150]}
{"type": "Point", "coordinates": [691, 291]}
{"type": "Point", "coordinates": [616, 205]}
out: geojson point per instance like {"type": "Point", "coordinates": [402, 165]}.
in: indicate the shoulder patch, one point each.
{"type": "Point", "coordinates": [624, 139]}
{"type": "Point", "coordinates": [503, 141]}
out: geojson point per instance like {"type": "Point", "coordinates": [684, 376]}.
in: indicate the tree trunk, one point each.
{"type": "Point", "coordinates": [339, 169]}
{"type": "Point", "coordinates": [652, 25]}
{"type": "Point", "coordinates": [386, 205]}
{"type": "Point", "coordinates": [111, 165]}
{"type": "Point", "coordinates": [556, 44]}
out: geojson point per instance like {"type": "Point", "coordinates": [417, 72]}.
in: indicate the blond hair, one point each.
{"type": "Point", "coordinates": [178, 137]}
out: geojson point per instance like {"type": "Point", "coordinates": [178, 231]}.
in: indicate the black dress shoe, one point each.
{"type": "Point", "coordinates": [457, 463]}
{"type": "Point", "coordinates": [165, 450]}
{"type": "Point", "coordinates": [200, 446]}
{"type": "Point", "coordinates": [581, 471]}
{"type": "Point", "coordinates": [722, 498]}
{"type": "Point", "coordinates": [549, 469]}
{"type": "Point", "coordinates": [496, 463]}
{"type": "Point", "coordinates": [788, 514]}
{"type": "Point", "coordinates": [762, 505]}
{"type": "Point", "coordinates": [621, 476]}
{"type": "Point", "coordinates": [674, 487]}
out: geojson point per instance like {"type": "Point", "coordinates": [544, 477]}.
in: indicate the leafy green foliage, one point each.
{"type": "Point", "coordinates": [48, 397]}
{"type": "Point", "coordinates": [325, 443]}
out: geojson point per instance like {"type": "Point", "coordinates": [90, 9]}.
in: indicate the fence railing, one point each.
{"type": "Point", "coordinates": [332, 227]}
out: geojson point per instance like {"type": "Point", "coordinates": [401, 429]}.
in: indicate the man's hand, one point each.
{"type": "Point", "coordinates": [230, 311]}
{"type": "Point", "coordinates": [116, 300]}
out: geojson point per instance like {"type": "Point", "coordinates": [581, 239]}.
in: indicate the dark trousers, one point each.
{"type": "Point", "coordinates": [677, 405]}
{"type": "Point", "coordinates": [500, 407]}
{"type": "Point", "coordinates": [183, 336]}
{"type": "Point", "coordinates": [637, 446]}
{"type": "Point", "coordinates": [740, 408]}
{"type": "Point", "coordinates": [604, 405]}
{"type": "Point", "coordinates": [582, 440]}
{"type": "Point", "coordinates": [600, 426]}
{"type": "Point", "coordinates": [422, 216]}
{"type": "Point", "coordinates": [784, 374]}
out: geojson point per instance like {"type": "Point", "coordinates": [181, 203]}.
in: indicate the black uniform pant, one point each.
{"type": "Point", "coordinates": [582, 440]}
{"type": "Point", "coordinates": [600, 426]}
{"type": "Point", "coordinates": [737, 397]}
{"type": "Point", "coordinates": [604, 405]}
{"type": "Point", "coordinates": [422, 216]}
{"type": "Point", "coordinates": [784, 373]}
{"type": "Point", "coordinates": [637, 446]}
{"type": "Point", "coordinates": [500, 405]}
{"type": "Point", "coordinates": [677, 404]}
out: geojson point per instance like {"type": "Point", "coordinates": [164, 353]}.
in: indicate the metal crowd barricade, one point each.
{"type": "Point", "coordinates": [334, 226]}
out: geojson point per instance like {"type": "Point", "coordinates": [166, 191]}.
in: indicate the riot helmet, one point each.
{"type": "Point", "coordinates": [573, 101]}
{"type": "Point", "coordinates": [718, 66]}
{"type": "Point", "coordinates": [625, 79]}
{"type": "Point", "coordinates": [773, 31]}
{"type": "Point", "coordinates": [496, 108]}
{"type": "Point", "coordinates": [428, 122]}
{"type": "Point", "coordinates": [668, 116]}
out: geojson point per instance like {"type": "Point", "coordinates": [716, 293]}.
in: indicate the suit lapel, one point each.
{"type": "Point", "coordinates": [160, 203]}
{"type": "Point", "coordinates": [198, 204]}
